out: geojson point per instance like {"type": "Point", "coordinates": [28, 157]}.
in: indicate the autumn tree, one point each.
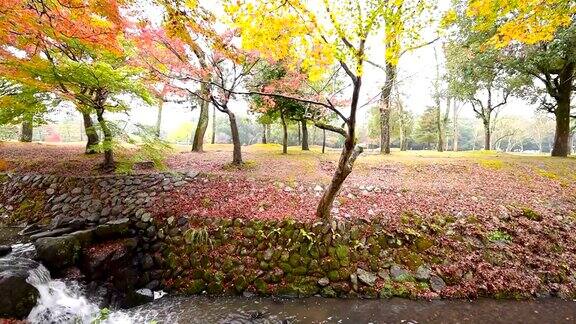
{"type": "Point", "coordinates": [76, 51]}
{"type": "Point", "coordinates": [186, 42]}
{"type": "Point", "coordinates": [337, 31]}
{"type": "Point", "coordinates": [476, 74]}
{"type": "Point", "coordinates": [403, 22]}
{"type": "Point", "coordinates": [541, 34]}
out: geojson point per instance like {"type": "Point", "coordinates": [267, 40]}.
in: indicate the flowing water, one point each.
{"type": "Point", "coordinates": [66, 302]}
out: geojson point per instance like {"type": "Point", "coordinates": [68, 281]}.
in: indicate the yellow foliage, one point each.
{"type": "Point", "coordinates": [526, 21]}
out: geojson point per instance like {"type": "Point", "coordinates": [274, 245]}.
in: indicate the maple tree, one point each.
{"type": "Point", "coordinates": [75, 50]}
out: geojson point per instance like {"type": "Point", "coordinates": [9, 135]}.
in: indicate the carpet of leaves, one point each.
{"type": "Point", "coordinates": [510, 221]}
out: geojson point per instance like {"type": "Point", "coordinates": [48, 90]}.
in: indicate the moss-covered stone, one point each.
{"type": "Point", "coordinates": [261, 286]}
{"type": "Point", "coordinates": [341, 252]}
{"type": "Point", "coordinates": [328, 292]}
{"type": "Point", "coordinates": [423, 243]}
{"type": "Point", "coordinates": [215, 288]}
{"type": "Point", "coordinates": [196, 287]}
{"type": "Point", "coordinates": [240, 284]}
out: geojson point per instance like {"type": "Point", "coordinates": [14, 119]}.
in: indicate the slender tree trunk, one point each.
{"type": "Point", "coordinates": [562, 112]}
{"type": "Point", "coordinates": [487, 134]}
{"type": "Point", "coordinates": [347, 158]}
{"type": "Point", "coordinates": [159, 119]}
{"type": "Point", "coordinates": [305, 146]}
{"type": "Point", "coordinates": [108, 163]}
{"type": "Point", "coordinates": [299, 133]}
{"type": "Point", "coordinates": [203, 119]}
{"type": "Point", "coordinates": [27, 130]}
{"type": "Point", "coordinates": [323, 141]}
{"type": "Point", "coordinates": [440, 144]}
{"type": "Point", "coordinates": [91, 133]}
{"type": "Point", "coordinates": [285, 134]}
{"type": "Point", "coordinates": [264, 140]}
{"type": "Point", "coordinates": [237, 151]}
{"type": "Point", "coordinates": [445, 123]}
{"type": "Point", "coordinates": [455, 128]}
{"type": "Point", "coordinates": [385, 109]}
{"type": "Point", "coordinates": [214, 125]}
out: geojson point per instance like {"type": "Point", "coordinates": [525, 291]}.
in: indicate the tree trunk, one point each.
{"type": "Point", "coordinates": [487, 134]}
{"type": "Point", "coordinates": [285, 134]}
{"type": "Point", "coordinates": [159, 119]}
{"type": "Point", "coordinates": [385, 109]}
{"type": "Point", "coordinates": [91, 133]}
{"type": "Point", "coordinates": [347, 158]}
{"type": "Point", "coordinates": [440, 144]}
{"type": "Point", "coordinates": [214, 125]}
{"type": "Point", "coordinates": [323, 141]}
{"type": "Point", "coordinates": [562, 112]}
{"type": "Point", "coordinates": [264, 141]}
{"type": "Point", "coordinates": [237, 151]}
{"type": "Point", "coordinates": [455, 128]}
{"type": "Point", "coordinates": [305, 146]}
{"type": "Point", "coordinates": [269, 133]}
{"type": "Point", "coordinates": [108, 163]}
{"type": "Point", "coordinates": [27, 130]}
{"type": "Point", "coordinates": [198, 141]}
{"type": "Point", "coordinates": [299, 133]}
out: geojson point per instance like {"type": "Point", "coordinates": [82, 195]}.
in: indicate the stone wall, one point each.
{"type": "Point", "coordinates": [104, 230]}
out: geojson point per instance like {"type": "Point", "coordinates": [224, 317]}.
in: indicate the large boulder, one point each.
{"type": "Point", "coordinates": [58, 253]}
{"type": "Point", "coordinates": [18, 296]}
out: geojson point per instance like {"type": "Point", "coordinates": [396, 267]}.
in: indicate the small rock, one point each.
{"type": "Point", "coordinates": [422, 273]}
{"type": "Point", "coordinates": [146, 217]}
{"type": "Point", "coordinates": [366, 277]}
{"type": "Point", "coordinates": [437, 284]}
{"type": "Point", "coordinates": [76, 191]}
{"type": "Point", "coordinates": [354, 280]}
{"type": "Point", "coordinates": [323, 281]}
{"type": "Point", "coordinates": [147, 262]}
{"type": "Point", "coordinates": [399, 274]}
{"type": "Point", "coordinates": [288, 189]}
{"type": "Point", "coordinates": [5, 250]}
{"type": "Point", "coordinates": [318, 188]}
{"type": "Point", "coordinates": [50, 191]}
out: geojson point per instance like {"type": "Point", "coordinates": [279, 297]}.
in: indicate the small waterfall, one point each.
{"type": "Point", "coordinates": [59, 301]}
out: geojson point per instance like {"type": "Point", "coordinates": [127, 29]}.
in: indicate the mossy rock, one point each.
{"type": "Point", "coordinates": [197, 274]}
{"type": "Point", "coordinates": [334, 275]}
{"type": "Point", "coordinates": [265, 265]}
{"type": "Point", "coordinates": [300, 270]}
{"type": "Point", "coordinates": [375, 249]}
{"type": "Point", "coordinates": [228, 264]}
{"type": "Point", "coordinates": [531, 214]}
{"type": "Point", "coordinates": [195, 287]}
{"type": "Point", "coordinates": [341, 252]}
{"type": "Point", "coordinates": [215, 288]}
{"type": "Point", "coordinates": [261, 286]}
{"type": "Point", "coordinates": [328, 292]}
{"type": "Point", "coordinates": [249, 232]}
{"type": "Point", "coordinates": [172, 260]}
{"type": "Point", "coordinates": [314, 252]}
{"type": "Point", "coordinates": [295, 260]}
{"type": "Point", "coordinates": [409, 258]}
{"type": "Point", "coordinates": [286, 267]}
{"type": "Point", "coordinates": [423, 243]}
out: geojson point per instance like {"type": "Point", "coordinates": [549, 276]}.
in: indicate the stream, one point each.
{"type": "Point", "coordinates": [66, 302]}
